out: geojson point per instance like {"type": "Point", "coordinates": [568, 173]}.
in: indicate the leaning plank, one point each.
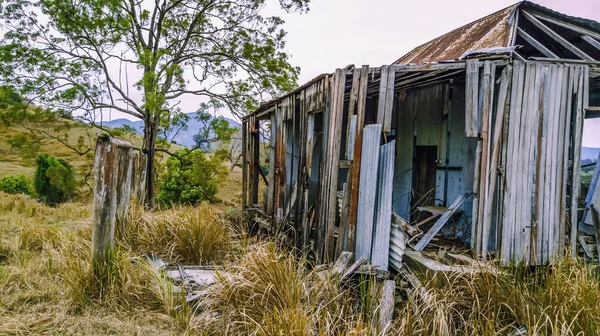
{"type": "Point", "coordinates": [367, 190]}
{"type": "Point", "coordinates": [472, 91]}
{"type": "Point", "coordinates": [342, 263]}
{"type": "Point", "coordinates": [585, 247]}
{"type": "Point", "coordinates": [593, 193]}
{"type": "Point", "coordinates": [493, 171]}
{"type": "Point", "coordinates": [386, 306]}
{"type": "Point", "coordinates": [440, 222]}
{"type": "Point", "coordinates": [357, 264]}
{"type": "Point", "coordinates": [383, 216]}
{"type": "Point", "coordinates": [596, 219]}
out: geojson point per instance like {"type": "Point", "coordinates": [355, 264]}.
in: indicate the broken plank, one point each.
{"type": "Point", "coordinates": [440, 222]}
{"type": "Point", "coordinates": [342, 262]}
{"type": "Point", "coordinates": [386, 306]}
{"type": "Point", "coordinates": [472, 91]}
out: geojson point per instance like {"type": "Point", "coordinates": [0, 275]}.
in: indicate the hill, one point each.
{"type": "Point", "coordinates": [589, 153]}
{"type": "Point", "coordinates": [184, 137]}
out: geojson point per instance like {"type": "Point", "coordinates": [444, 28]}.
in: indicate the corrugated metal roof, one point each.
{"type": "Point", "coordinates": [490, 31]}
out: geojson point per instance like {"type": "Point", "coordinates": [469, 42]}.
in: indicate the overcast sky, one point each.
{"type": "Point", "coordinates": [335, 33]}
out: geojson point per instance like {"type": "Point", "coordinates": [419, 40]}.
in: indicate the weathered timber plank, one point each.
{"type": "Point", "coordinates": [335, 134]}
{"type": "Point", "coordinates": [386, 306]}
{"type": "Point", "coordinates": [580, 73]}
{"type": "Point", "coordinates": [105, 198]}
{"type": "Point", "coordinates": [493, 171]}
{"type": "Point", "coordinates": [357, 155]}
{"type": "Point", "coordinates": [487, 88]}
{"type": "Point", "coordinates": [440, 222]}
{"type": "Point", "coordinates": [472, 99]}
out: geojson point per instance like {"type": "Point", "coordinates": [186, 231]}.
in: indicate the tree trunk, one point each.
{"type": "Point", "coordinates": [150, 133]}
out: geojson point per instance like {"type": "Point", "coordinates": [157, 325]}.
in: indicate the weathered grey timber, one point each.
{"type": "Point", "coordinates": [105, 195]}
{"type": "Point", "coordinates": [124, 177]}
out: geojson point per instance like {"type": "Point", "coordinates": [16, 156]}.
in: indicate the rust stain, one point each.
{"type": "Point", "coordinates": [490, 31]}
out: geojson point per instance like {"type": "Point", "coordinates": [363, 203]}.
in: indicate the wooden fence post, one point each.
{"type": "Point", "coordinates": [111, 158]}
{"type": "Point", "coordinates": [105, 200]}
{"type": "Point", "coordinates": [124, 177]}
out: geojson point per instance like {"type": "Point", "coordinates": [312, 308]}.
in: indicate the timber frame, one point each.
{"type": "Point", "coordinates": [349, 150]}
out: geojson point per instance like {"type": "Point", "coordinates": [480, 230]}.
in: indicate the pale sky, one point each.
{"type": "Point", "coordinates": [335, 33]}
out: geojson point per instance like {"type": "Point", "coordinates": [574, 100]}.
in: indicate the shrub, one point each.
{"type": "Point", "coordinates": [54, 181]}
{"type": "Point", "coordinates": [191, 178]}
{"type": "Point", "coordinates": [18, 184]}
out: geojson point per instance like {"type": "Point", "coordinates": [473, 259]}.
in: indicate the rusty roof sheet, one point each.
{"type": "Point", "coordinates": [490, 31]}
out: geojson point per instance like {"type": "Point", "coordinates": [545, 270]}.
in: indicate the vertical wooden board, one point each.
{"type": "Point", "coordinates": [244, 163]}
{"type": "Point", "coordinates": [524, 168]}
{"type": "Point", "coordinates": [351, 130]}
{"type": "Point", "coordinates": [367, 190]}
{"type": "Point", "coordinates": [357, 155]}
{"type": "Point", "coordinates": [554, 168]}
{"type": "Point", "coordinates": [494, 157]}
{"type": "Point", "coordinates": [487, 88]}
{"type": "Point", "coordinates": [564, 136]}
{"type": "Point", "coordinates": [334, 158]}
{"type": "Point", "coordinates": [383, 82]}
{"type": "Point", "coordinates": [351, 138]}
{"type": "Point", "coordinates": [324, 173]}
{"type": "Point", "coordinates": [508, 227]}
{"type": "Point", "coordinates": [383, 209]}
{"type": "Point", "coordinates": [389, 100]}
{"type": "Point", "coordinates": [475, 230]}
{"type": "Point", "coordinates": [540, 202]}
{"type": "Point", "coordinates": [472, 98]}
{"type": "Point", "coordinates": [404, 156]}
{"type": "Point", "coordinates": [581, 78]}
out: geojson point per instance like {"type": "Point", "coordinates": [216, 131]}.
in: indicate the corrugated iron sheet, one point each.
{"type": "Point", "coordinates": [490, 31]}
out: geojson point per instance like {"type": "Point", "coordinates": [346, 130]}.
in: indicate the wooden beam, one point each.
{"type": "Point", "coordinates": [591, 41]}
{"type": "Point", "coordinates": [555, 36]}
{"type": "Point", "coordinates": [537, 45]}
{"type": "Point", "coordinates": [440, 223]}
{"type": "Point", "coordinates": [386, 306]}
{"type": "Point", "coordinates": [592, 112]}
{"type": "Point", "coordinates": [567, 25]}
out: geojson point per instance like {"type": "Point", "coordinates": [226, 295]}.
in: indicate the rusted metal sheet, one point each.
{"type": "Point", "coordinates": [490, 31]}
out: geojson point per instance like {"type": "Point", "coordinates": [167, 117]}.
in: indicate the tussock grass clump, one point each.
{"type": "Point", "coordinates": [561, 299]}
{"type": "Point", "coordinates": [195, 235]}
{"type": "Point", "coordinates": [268, 292]}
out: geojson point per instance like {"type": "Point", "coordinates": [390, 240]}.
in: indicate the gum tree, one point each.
{"type": "Point", "coordinates": [142, 58]}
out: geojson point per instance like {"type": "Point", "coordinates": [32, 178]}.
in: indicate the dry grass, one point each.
{"type": "Point", "coordinates": [193, 235]}
{"type": "Point", "coordinates": [268, 292]}
{"type": "Point", "coordinates": [49, 286]}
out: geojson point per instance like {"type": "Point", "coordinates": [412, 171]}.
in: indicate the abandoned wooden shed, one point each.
{"type": "Point", "coordinates": [475, 135]}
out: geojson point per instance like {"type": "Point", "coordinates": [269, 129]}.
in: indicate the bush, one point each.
{"type": "Point", "coordinates": [191, 178]}
{"type": "Point", "coordinates": [54, 181]}
{"type": "Point", "coordinates": [19, 184]}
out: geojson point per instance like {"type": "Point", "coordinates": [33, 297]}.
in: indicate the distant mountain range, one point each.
{"type": "Point", "coordinates": [589, 153]}
{"type": "Point", "coordinates": [184, 138]}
